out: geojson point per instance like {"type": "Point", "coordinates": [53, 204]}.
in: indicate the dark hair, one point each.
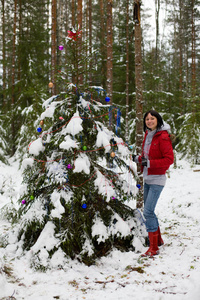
{"type": "Point", "coordinates": [155, 114]}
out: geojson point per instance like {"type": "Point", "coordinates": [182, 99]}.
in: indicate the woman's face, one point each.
{"type": "Point", "coordinates": [151, 122]}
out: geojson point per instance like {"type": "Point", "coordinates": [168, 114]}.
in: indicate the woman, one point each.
{"type": "Point", "coordinates": [157, 156]}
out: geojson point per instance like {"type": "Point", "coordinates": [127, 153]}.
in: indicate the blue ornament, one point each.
{"type": "Point", "coordinates": [39, 129]}
{"type": "Point", "coordinates": [138, 186]}
{"type": "Point", "coordinates": [84, 205]}
{"type": "Point", "coordinates": [107, 99]}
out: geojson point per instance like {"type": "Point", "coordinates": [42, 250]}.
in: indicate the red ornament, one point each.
{"type": "Point", "coordinates": [74, 34]}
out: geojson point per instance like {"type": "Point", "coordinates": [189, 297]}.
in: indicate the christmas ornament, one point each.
{"type": "Point", "coordinates": [138, 186]}
{"type": "Point", "coordinates": [84, 205]}
{"type": "Point", "coordinates": [118, 120]}
{"type": "Point", "coordinates": [84, 148]}
{"type": "Point", "coordinates": [112, 154]}
{"type": "Point", "coordinates": [42, 122]}
{"type": "Point", "coordinates": [107, 99]}
{"type": "Point", "coordinates": [61, 118]}
{"type": "Point", "coordinates": [50, 85]}
{"type": "Point", "coordinates": [23, 201]}
{"type": "Point", "coordinates": [32, 197]}
{"type": "Point", "coordinates": [73, 35]}
{"type": "Point", "coordinates": [39, 129]}
{"type": "Point", "coordinates": [107, 117]}
{"type": "Point", "coordinates": [60, 47]}
{"type": "Point", "coordinates": [69, 166]}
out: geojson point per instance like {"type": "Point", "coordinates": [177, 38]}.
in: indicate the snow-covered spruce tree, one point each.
{"type": "Point", "coordinates": [79, 178]}
{"type": "Point", "coordinates": [189, 137]}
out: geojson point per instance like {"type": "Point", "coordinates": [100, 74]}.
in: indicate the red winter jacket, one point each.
{"type": "Point", "coordinates": [161, 154]}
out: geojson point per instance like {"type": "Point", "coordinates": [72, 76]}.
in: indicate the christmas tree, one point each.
{"type": "Point", "coordinates": [79, 179]}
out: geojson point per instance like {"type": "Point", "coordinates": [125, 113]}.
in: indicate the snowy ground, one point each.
{"type": "Point", "coordinates": [174, 274]}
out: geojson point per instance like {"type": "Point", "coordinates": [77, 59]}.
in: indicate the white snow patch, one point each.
{"type": "Point", "coordinates": [46, 239]}
{"type": "Point", "coordinates": [82, 164]}
{"type": "Point", "coordinates": [99, 230]}
{"type": "Point", "coordinates": [59, 209]}
{"type": "Point", "coordinates": [36, 147]}
{"type": "Point", "coordinates": [68, 143]}
{"type": "Point", "coordinates": [103, 139]}
{"type": "Point", "coordinates": [27, 162]}
{"type": "Point", "coordinates": [104, 186]}
{"type": "Point", "coordinates": [74, 126]}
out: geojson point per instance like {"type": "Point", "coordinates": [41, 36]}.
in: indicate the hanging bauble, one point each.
{"type": "Point", "coordinates": [23, 201]}
{"type": "Point", "coordinates": [112, 154]}
{"type": "Point", "coordinates": [107, 99]}
{"type": "Point", "coordinates": [84, 148]}
{"type": "Point", "coordinates": [61, 118]}
{"type": "Point", "coordinates": [60, 47]}
{"type": "Point", "coordinates": [138, 186]}
{"type": "Point", "coordinates": [84, 205]}
{"type": "Point", "coordinates": [32, 197]}
{"type": "Point", "coordinates": [107, 117]}
{"type": "Point", "coordinates": [39, 129]}
{"type": "Point", "coordinates": [50, 85]}
{"type": "Point", "coordinates": [69, 166]}
{"type": "Point", "coordinates": [41, 122]}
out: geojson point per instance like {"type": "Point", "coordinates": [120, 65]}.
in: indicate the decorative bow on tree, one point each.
{"type": "Point", "coordinates": [74, 34]}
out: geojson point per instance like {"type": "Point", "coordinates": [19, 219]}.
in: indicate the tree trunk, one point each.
{"type": "Point", "coordinates": [103, 49]}
{"type": "Point", "coordinates": [139, 93]}
{"type": "Point", "coordinates": [73, 13]}
{"type": "Point", "coordinates": [127, 68]}
{"type": "Point", "coordinates": [180, 40]}
{"type": "Point", "coordinates": [80, 66]}
{"type": "Point", "coordinates": [193, 84]}
{"type": "Point", "coordinates": [14, 52]}
{"type": "Point", "coordinates": [157, 11]}
{"type": "Point", "coordinates": [109, 51]}
{"type": "Point", "coordinates": [53, 46]}
{"type": "Point", "coordinates": [4, 51]}
{"type": "Point", "coordinates": [13, 75]}
{"type": "Point", "coordinates": [90, 39]}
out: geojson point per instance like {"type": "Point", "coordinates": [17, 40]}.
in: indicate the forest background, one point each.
{"type": "Point", "coordinates": [103, 55]}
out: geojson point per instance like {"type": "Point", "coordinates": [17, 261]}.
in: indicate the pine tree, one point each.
{"type": "Point", "coordinates": [79, 179]}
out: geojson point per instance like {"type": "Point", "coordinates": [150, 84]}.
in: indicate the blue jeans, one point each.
{"type": "Point", "coordinates": [151, 194]}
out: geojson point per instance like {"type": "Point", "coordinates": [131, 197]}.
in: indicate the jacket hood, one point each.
{"type": "Point", "coordinates": [165, 126]}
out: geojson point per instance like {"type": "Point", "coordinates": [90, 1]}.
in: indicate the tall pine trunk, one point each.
{"type": "Point", "coordinates": [90, 38]}
{"type": "Point", "coordinates": [109, 51]}
{"type": "Point", "coordinates": [127, 68]}
{"type": "Point", "coordinates": [180, 56]}
{"type": "Point", "coordinates": [157, 11]}
{"type": "Point", "coordinates": [4, 50]}
{"type": "Point", "coordinates": [53, 46]}
{"type": "Point", "coordinates": [193, 81]}
{"type": "Point", "coordinates": [13, 75]}
{"type": "Point", "coordinates": [103, 48]}
{"type": "Point", "coordinates": [80, 66]}
{"type": "Point", "coordinates": [139, 93]}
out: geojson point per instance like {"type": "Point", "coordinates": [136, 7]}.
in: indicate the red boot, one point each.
{"type": "Point", "coordinates": [153, 249]}
{"type": "Point", "coordinates": [160, 240]}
